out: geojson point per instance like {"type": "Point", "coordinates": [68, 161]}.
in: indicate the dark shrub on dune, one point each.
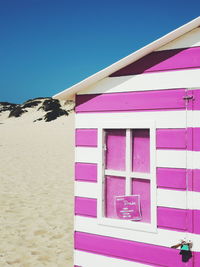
{"type": "Point", "coordinates": [50, 104]}
{"type": "Point", "coordinates": [17, 112]}
{"type": "Point", "coordinates": [52, 108]}
{"type": "Point", "coordinates": [31, 104]}
{"type": "Point", "coordinates": [54, 114]}
{"type": "Point", "coordinates": [6, 106]}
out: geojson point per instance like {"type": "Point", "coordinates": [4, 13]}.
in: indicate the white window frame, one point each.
{"type": "Point", "coordinates": [127, 125]}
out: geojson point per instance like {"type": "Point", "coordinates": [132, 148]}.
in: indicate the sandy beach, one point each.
{"type": "Point", "coordinates": [36, 195]}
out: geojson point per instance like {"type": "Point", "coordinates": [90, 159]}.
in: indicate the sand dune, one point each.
{"type": "Point", "coordinates": [36, 195]}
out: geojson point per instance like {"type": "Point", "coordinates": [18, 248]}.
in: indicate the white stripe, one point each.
{"type": "Point", "coordinates": [146, 82]}
{"type": "Point", "coordinates": [162, 237]}
{"type": "Point", "coordinates": [171, 158]}
{"type": "Point", "coordinates": [115, 173]}
{"type": "Point", "coordinates": [86, 259]}
{"type": "Point", "coordinates": [189, 39]}
{"type": "Point", "coordinates": [193, 159]}
{"type": "Point", "coordinates": [85, 189]}
{"type": "Point", "coordinates": [165, 158]}
{"type": "Point", "coordinates": [163, 119]}
{"type": "Point", "coordinates": [165, 198]}
{"type": "Point", "coordinates": [193, 118]}
{"type": "Point", "coordinates": [193, 200]}
{"type": "Point", "coordinates": [86, 154]}
{"type": "Point", "coordinates": [171, 198]}
{"type": "Point", "coordinates": [138, 175]}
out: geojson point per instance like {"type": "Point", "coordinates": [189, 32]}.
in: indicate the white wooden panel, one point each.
{"type": "Point", "coordinates": [163, 237]}
{"type": "Point", "coordinates": [163, 119]}
{"type": "Point", "coordinates": [193, 159]}
{"type": "Point", "coordinates": [171, 158]}
{"type": "Point", "coordinates": [85, 189]}
{"type": "Point", "coordinates": [171, 198]}
{"type": "Point", "coordinates": [146, 82]}
{"type": "Point", "coordinates": [86, 259]}
{"type": "Point", "coordinates": [86, 154]}
{"type": "Point", "coordinates": [140, 175]}
{"type": "Point", "coordinates": [193, 199]}
{"type": "Point", "coordinates": [193, 118]}
{"type": "Point", "coordinates": [165, 197]}
{"type": "Point", "coordinates": [187, 40]}
{"type": "Point", "coordinates": [115, 173]}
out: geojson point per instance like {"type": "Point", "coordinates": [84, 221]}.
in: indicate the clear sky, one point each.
{"type": "Point", "coordinates": [48, 45]}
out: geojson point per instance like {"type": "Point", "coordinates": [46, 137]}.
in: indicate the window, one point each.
{"type": "Point", "coordinates": [127, 168]}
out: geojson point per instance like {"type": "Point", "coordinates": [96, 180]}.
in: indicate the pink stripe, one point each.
{"type": "Point", "coordinates": [193, 180]}
{"type": "Point", "coordinates": [165, 138]}
{"type": "Point", "coordinates": [170, 218]}
{"type": "Point", "coordinates": [194, 104]}
{"type": "Point", "coordinates": [190, 179]}
{"type": "Point", "coordinates": [196, 181]}
{"type": "Point", "coordinates": [171, 138]}
{"type": "Point", "coordinates": [174, 59]}
{"type": "Point", "coordinates": [86, 137]}
{"type": "Point", "coordinates": [193, 139]}
{"type": "Point", "coordinates": [161, 99]}
{"type": "Point", "coordinates": [129, 250]}
{"type": "Point", "coordinates": [85, 172]}
{"type": "Point", "coordinates": [196, 220]}
{"type": "Point", "coordinates": [86, 206]}
{"type": "Point", "coordinates": [171, 178]}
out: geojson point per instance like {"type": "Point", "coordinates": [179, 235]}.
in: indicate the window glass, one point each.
{"type": "Point", "coordinates": [115, 186]}
{"type": "Point", "coordinates": [141, 187]}
{"type": "Point", "coordinates": [140, 150]}
{"type": "Point", "coordinates": [127, 174]}
{"type": "Point", "coordinates": [115, 149]}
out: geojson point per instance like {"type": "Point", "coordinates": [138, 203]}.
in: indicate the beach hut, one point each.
{"type": "Point", "coordinates": [137, 157]}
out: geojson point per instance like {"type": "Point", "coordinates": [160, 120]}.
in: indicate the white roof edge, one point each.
{"type": "Point", "coordinates": [128, 59]}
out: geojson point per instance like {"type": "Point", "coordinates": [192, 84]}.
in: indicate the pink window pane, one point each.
{"type": "Point", "coordinates": [142, 187]}
{"type": "Point", "coordinates": [140, 150]}
{"type": "Point", "coordinates": [115, 149]}
{"type": "Point", "coordinates": [114, 186]}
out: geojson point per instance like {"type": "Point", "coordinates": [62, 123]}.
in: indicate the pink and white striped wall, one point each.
{"type": "Point", "coordinates": [177, 164]}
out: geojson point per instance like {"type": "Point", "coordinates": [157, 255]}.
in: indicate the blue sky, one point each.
{"type": "Point", "coordinates": [48, 45]}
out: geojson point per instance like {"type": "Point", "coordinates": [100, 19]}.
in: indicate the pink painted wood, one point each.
{"type": "Point", "coordinates": [196, 180]}
{"type": "Point", "coordinates": [85, 172]}
{"type": "Point", "coordinates": [142, 187]}
{"type": "Point", "coordinates": [149, 100]}
{"type": "Point", "coordinates": [171, 178]}
{"type": "Point", "coordinates": [86, 206]}
{"type": "Point", "coordinates": [193, 139]}
{"type": "Point", "coordinates": [86, 137]}
{"type": "Point", "coordinates": [171, 139]}
{"type": "Point", "coordinates": [196, 220]}
{"type": "Point", "coordinates": [166, 177]}
{"type": "Point", "coordinates": [165, 138]}
{"type": "Point", "coordinates": [194, 104]}
{"type": "Point", "coordinates": [140, 150]}
{"type": "Point", "coordinates": [167, 218]}
{"type": "Point", "coordinates": [130, 250]}
{"type": "Point", "coordinates": [115, 186]}
{"type": "Point", "coordinates": [174, 59]}
{"type": "Point", "coordinates": [115, 149]}
{"type": "Point", "coordinates": [172, 218]}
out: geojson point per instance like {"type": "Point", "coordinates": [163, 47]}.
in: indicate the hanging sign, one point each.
{"type": "Point", "coordinates": [128, 207]}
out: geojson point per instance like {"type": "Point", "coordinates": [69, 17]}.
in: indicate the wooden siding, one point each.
{"type": "Point", "coordinates": [165, 60]}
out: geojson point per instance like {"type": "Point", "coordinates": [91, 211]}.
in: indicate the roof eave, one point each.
{"type": "Point", "coordinates": [69, 92]}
